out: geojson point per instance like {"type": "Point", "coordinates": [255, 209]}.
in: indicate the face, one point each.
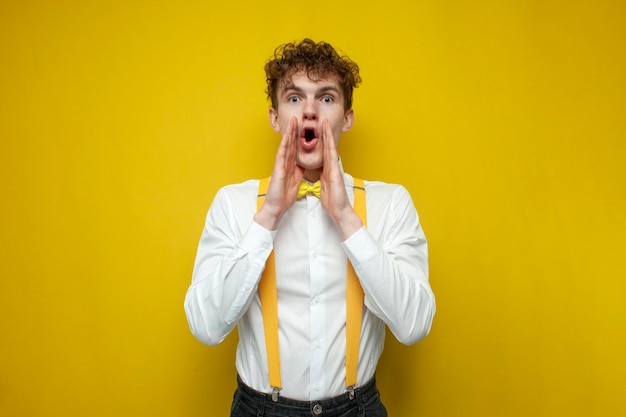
{"type": "Point", "coordinates": [311, 102]}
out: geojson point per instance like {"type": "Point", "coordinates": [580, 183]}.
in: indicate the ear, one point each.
{"type": "Point", "coordinates": [273, 115]}
{"type": "Point", "coordinates": [348, 120]}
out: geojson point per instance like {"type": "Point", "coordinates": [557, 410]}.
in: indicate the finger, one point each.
{"type": "Point", "coordinates": [283, 148]}
{"type": "Point", "coordinates": [293, 172]}
{"type": "Point", "coordinates": [325, 151]}
{"type": "Point", "coordinates": [291, 145]}
{"type": "Point", "coordinates": [295, 135]}
{"type": "Point", "coordinates": [330, 151]}
{"type": "Point", "coordinates": [325, 141]}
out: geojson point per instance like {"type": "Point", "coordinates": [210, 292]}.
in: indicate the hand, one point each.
{"type": "Point", "coordinates": [283, 187]}
{"type": "Point", "coordinates": [333, 194]}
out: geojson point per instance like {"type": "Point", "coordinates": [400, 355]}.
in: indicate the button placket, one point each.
{"type": "Point", "coordinates": [316, 241]}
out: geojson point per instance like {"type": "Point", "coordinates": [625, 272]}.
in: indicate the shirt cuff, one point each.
{"type": "Point", "coordinates": [258, 242]}
{"type": "Point", "coordinates": [360, 247]}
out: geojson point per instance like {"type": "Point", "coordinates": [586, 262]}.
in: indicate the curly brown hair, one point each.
{"type": "Point", "coordinates": [318, 60]}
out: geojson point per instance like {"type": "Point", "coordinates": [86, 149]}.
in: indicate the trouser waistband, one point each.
{"type": "Point", "coordinates": [334, 406]}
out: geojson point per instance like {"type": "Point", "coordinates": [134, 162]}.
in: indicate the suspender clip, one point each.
{"type": "Point", "coordinates": [275, 392]}
{"type": "Point", "coordinates": [351, 392]}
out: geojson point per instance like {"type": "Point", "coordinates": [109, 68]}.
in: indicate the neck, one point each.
{"type": "Point", "coordinates": [312, 175]}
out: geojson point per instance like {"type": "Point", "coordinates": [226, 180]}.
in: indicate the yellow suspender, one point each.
{"type": "Point", "coordinates": [354, 303]}
{"type": "Point", "coordinates": [269, 305]}
{"type": "Point", "coordinates": [354, 297]}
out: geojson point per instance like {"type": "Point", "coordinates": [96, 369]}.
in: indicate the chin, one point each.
{"type": "Point", "coordinates": [310, 163]}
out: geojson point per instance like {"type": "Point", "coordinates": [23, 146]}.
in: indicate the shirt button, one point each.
{"type": "Point", "coordinates": [317, 409]}
{"type": "Point", "coordinates": [316, 387]}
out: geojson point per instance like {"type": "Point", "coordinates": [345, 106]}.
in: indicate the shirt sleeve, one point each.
{"type": "Point", "coordinates": [228, 266]}
{"type": "Point", "coordinates": [391, 262]}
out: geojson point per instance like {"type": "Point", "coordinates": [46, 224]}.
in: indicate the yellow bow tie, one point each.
{"type": "Point", "coordinates": [305, 188]}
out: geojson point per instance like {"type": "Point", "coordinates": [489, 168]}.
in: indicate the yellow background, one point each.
{"type": "Point", "coordinates": [506, 121]}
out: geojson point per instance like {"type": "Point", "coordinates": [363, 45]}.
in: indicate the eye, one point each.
{"type": "Point", "coordinates": [293, 99]}
{"type": "Point", "coordinates": [327, 99]}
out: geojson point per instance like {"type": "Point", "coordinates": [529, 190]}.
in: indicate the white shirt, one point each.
{"type": "Point", "coordinates": [389, 256]}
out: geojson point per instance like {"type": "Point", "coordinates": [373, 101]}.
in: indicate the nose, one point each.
{"type": "Point", "coordinates": [310, 110]}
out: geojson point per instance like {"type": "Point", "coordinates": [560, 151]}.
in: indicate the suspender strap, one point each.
{"type": "Point", "coordinates": [354, 297]}
{"type": "Point", "coordinates": [354, 303]}
{"type": "Point", "coordinates": [269, 305]}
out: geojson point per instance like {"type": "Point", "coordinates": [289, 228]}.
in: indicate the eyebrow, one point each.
{"type": "Point", "coordinates": [322, 89]}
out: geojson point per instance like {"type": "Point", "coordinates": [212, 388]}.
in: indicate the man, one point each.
{"type": "Point", "coordinates": [311, 243]}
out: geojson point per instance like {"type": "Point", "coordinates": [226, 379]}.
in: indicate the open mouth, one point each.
{"type": "Point", "coordinates": [309, 135]}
